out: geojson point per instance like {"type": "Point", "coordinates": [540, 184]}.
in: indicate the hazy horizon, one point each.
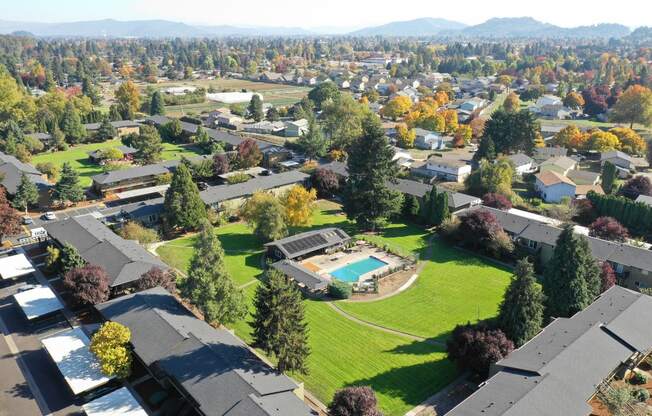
{"type": "Point", "coordinates": [334, 15]}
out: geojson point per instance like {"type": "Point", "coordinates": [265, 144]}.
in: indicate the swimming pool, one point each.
{"type": "Point", "coordinates": [352, 272]}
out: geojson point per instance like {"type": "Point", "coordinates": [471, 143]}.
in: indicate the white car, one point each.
{"type": "Point", "coordinates": [50, 216]}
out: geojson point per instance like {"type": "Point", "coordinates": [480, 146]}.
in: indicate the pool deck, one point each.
{"type": "Point", "coordinates": [325, 263]}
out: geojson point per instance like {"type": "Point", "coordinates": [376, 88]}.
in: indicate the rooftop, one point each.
{"type": "Point", "coordinates": [550, 177]}
{"type": "Point", "coordinates": [303, 243]}
{"type": "Point", "coordinates": [15, 266]}
{"type": "Point", "coordinates": [37, 302]}
{"type": "Point", "coordinates": [118, 403]}
{"type": "Point", "coordinates": [301, 275]}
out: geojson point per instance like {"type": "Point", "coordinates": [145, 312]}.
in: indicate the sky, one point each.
{"type": "Point", "coordinates": [344, 14]}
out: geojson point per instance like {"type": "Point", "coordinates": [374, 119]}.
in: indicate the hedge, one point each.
{"type": "Point", "coordinates": [636, 216]}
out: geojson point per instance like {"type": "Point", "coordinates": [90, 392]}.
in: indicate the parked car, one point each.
{"type": "Point", "coordinates": [27, 220]}
{"type": "Point", "coordinates": [49, 216]}
{"type": "Point", "coordinates": [202, 186]}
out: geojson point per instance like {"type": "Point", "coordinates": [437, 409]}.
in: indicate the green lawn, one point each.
{"type": "Point", "coordinates": [77, 156]}
{"type": "Point", "coordinates": [401, 371]}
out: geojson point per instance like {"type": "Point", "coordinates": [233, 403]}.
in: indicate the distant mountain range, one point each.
{"type": "Point", "coordinates": [524, 27]}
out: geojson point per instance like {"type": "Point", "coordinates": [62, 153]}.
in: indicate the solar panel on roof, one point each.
{"type": "Point", "coordinates": [304, 243]}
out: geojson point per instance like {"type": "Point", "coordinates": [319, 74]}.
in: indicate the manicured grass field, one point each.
{"type": "Point", "coordinates": [401, 371]}
{"type": "Point", "coordinates": [77, 156]}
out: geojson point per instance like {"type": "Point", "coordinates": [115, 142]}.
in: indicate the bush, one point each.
{"type": "Point", "coordinates": [476, 347]}
{"type": "Point", "coordinates": [49, 169]}
{"type": "Point", "coordinates": [325, 181]}
{"type": "Point", "coordinates": [641, 395]}
{"type": "Point", "coordinates": [354, 401]}
{"type": "Point", "coordinates": [449, 229]}
{"type": "Point", "coordinates": [608, 228]}
{"type": "Point", "coordinates": [497, 201]}
{"type": "Point", "coordinates": [237, 178]}
{"type": "Point", "coordinates": [638, 379]}
{"type": "Point", "coordinates": [536, 202]}
{"type": "Point", "coordinates": [89, 284]}
{"type": "Point", "coordinates": [135, 231]}
{"type": "Point", "coordinates": [339, 290]}
{"type": "Point", "coordinates": [158, 277]}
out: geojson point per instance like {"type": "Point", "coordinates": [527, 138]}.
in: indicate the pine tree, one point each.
{"type": "Point", "coordinates": [608, 176]}
{"type": "Point", "coordinates": [184, 207]}
{"type": "Point", "coordinates": [26, 194]}
{"type": "Point", "coordinates": [572, 278]}
{"type": "Point", "coordinates": [71, 124]}
{"type": "Point", "coordinates": [156, 106]}
{"type": "Point", "coordinates": [521, 312]}
{"type": "Point", "coordinates": [443, 211]}
{"type": "Point", "coordinates": [278, 322]}
{"type": "Point", "coordinates": [106, 131]}
{"type": "Point", "coordinates": [486, 150]}
{"type": "Point", "coordinates": [255, 108]}
{"type": "Point", "coordinates": [367, 199]}
{"type": "Point", "coordinates": [70, 258]}
{"type": "Point", "coordinates": [411, 207]}
{"type": "Point", "coordinates": [67, 188]}
{"type": "Point", "coordinates": [148, 145]}
{"type": "Point", "coordinates": [209, 286]}
{"type": "Point", "coordinates": [313, 142]}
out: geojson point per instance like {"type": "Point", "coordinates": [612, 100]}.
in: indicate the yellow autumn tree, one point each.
{"type": "Point", "coordinates": [110, 344]}
{"type": "Point", "coordinates": [450, 118]}
{"type": "Point", "coordinates": [405, 136]}
{"type": "Point", "coordinates": [566, 136]}
{"type": "Point", "coordinates": [128, 96]}
{"type": "Point", "coordinates": [396, 107]}
{"type": "Point", "coordinates": [603, 141]}
{"type": "Point", "coordinates": [630, 141]}
{"type": "Point", "coordinates": [634, 106]}
{"type": "Point", "coordinates": [299, 205]}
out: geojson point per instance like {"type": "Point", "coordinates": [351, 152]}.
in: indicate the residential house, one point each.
{"type": "Point", "coordinates": [561, 369]}
{"type": "Point", "coordinates": [553, 186]}
{"type": "Point", "coordinates": [205, 370]}
{"type": "Point", "coordinates": [128, 152]}
{"type": "Point", "coordinates": [560, 164]}
{"type": "Point", "coordinates": [122, 127]}
{"type": "Point", "coordinates": [447, 169]}
{"type": "Point", "coordinates": [265, 127]}
{"type": "Point", "coordinates": [11, 171]}
{"type": "Point", "coordinates": [295, 128]}
{"type": "Point", "coordinates": [548, 99]}
{"type": "Point", "coordinates": [618, 158]}
{"type": "Point", "coordinates": [428, 140]}
{"type": "Point", "coordinates": [473, 104]}
{"type": "Point", "coordinates": [542, 154]}
{"type": "Point", "coordinates": [124, 261]}
{"type": "Point", "coordinates": [523, 163]}
{"type": "Point", "coordinates": [228, 120]}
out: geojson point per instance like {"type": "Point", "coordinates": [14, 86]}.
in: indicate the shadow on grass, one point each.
{"type": "Point", "coordinates": [412, 384]}
{"type": "Point", "coordinates": [240, 244]}
{"type": "Point", "coordinates": [424, 347]}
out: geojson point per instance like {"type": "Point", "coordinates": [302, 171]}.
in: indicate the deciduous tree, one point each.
{"type": "Point", "coordinates": [607, 276]}
{"type": "Point", "coordinates": [633, 106]}
{"type": "Point", "coordinates": [638, 185]}
{"type": "Point", "coordinates": [264, 213]}
{"type": "Point", "coordinates": [132, 230]}
{"type": "Point", "coordinates": [630, 141]}
{"type": "Point", "coordinates": [89, 284]}
{"type": "Point", "coordinates": [9, 218]}
{"type": "Point", "coordinates": [249, 154]}
{"type": "Point", "coordinates": [396, 107]}
{"type": "Point", "coordinates": [313, 143]}
{"type": "Point", "coordinates": [156, 276]}
{"type": "Point", "coordinates": [325, 181]}
{"type": "Point", "coordinates": [354, 401]}
{"type": "Point", "coordinates": [255, 108]}
{"type": "Point", "coordinates": [299, 205]}
{"type": "Point", "coordinates": [512, 103]}
{"type": "Point", "coordinates": [475, 348]}
{"type": "Point", "coordinates": [110, 344]}
{"type": "Point", "coordinates": [128, 96]}
{"type": "Point", "coordinates": [405, 136]}
{"type": "Point", "coordinates": [608, 228]}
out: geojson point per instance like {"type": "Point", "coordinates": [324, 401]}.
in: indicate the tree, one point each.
{"type": "Point", "coordinates": [273, 114]}
{"type": "Point", "coordinates": [354, 401]}
{"type": "Point", "coordinates": [633, 106]}
{"type": "Point", "coordinates": [49, 169]}
{"type": "Point", "coordinates": [411, 207]}
{"type": "Point", "coordinates": [512, 132]}
{"type": "Point", "coordinates": [255, 108]}
{"type": "Point", "coordinates": [26, 194]}
{"type": "Point", "coordinates": [209, 286]}
{"type": "Point", "coordinates": [475, 348]}
{"type": "Point", "coordinates": [486, 150]}
{"type": "Point", "coordinates": [521, 312]}
{"type": "Point", "coordinates": [480, 229]}
{"type": "Point", "coordinates": [10, 221]}
{"type": "Point", "coordinates": [249, 154]}
{"type": "Point", "coordinates": [157, 105]}
{"type": "Point", "coordinates": [89, 284]}
{"type": "Point", "coordinates": [405, 136]}
{"type": "Point", "coordinates": [367, 199]}
{"type": "Point", "coordinates": [68, 189]}
{"type": "Point", "coordinates": [630, 141]}
{"type": "Point", "coordinates": [172, 130]}
{"type": "Point", "coordinates": [568, 137]}
{"type": "Point", "coordinates": [491, 178]}
{"type": "Point", "coordinates": [396, 107]}
{"type": "Point", "coordinates": [574, 100]}
{"type": "Point", "coordinates": [148, 145]}
{"type": "Point", "coordinates": [312, 143]}
{"type": "Point", "coordinates": [463, 136]}
{"type": "Point", "coordinates": [498, 201]}
{"type": "Point", "coordinates": [71, 124]}
{"type": "Point", "coordinates": [572, 279]}
{"type": "Point", "coordinates": [183, 207]}
{"type": "Point", "coordinates": [325, 181]}
{"type": "Point", "coordinates": [220, 164]}
{"type": "Point", "coordinates": [602, 141]}
{"type": "Point", "coordinates": [156, 276]}
{"type": "Point", "coordinates": [264, 213]}
{"type": "Point", "coordinates": [512, 103]}
{"type": "Point", "coordinates": [607, 276]}
{"type": "Point", "coordinates": [128, 97]}
{"type": "Point", "coordinates": [132, 230]}
{"type": "Point", "coordinates": [342, 120]}
{"type": "Point", "coordinates": [638, 185]}
{"type": "Point", "coordinates": [278, 326]}
{"type": "Point", "coordinates": [439, 211]}
{"type": "Point", "coordinates": [110, 344]}
{"type": "Point", "coordinates": [609, 174]}
{"type": "Point", "coordinates": [299, 205]}
{"type": "Point", "coordinates": [608, 228]}
{"type": "Point", "coordinates": [322, 93]}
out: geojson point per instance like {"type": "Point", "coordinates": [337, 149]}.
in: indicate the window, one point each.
{"type": "Point", "coordinates": [532, 244]}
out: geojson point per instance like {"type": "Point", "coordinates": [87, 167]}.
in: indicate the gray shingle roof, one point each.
{"type": "Point", "coordinates": [557, 371]}
{"type": "Point", "coordinates": [12, 169]}
{"type": "Point", "coordinates": [154, 169]}
{"type": "Point", "coordinates": [300, 274]}
{"type": "Point", "coordinates": [520, 159]}
{"type": "Point", "coordinates": [310, 241]}
{"type": "Point", "coordinates": [123, 260]}
{"type": "Point", "coordinates": [219, 373]}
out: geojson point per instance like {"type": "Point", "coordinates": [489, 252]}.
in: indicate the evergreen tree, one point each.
{"type": "Point", "coordinates": [114, 113]}
{"type": "Point", "coordinates": [486, 150]}
{"type": "Point", "coordinates": [183, 206]}
{"type": "Point", "coordinates": [313, 143]}
{"type": "Point", "coordinates": [67, 188]}
{"type": "Point", "coordinates": [255, 108]}
{"type": "Point", "coordinates": [90, 90]}
{"type": "Point", "coordinates": [273, 114]}
{"type": "Point", "coordinates": [521, 312]}
{"type": "Point", "coordinates": [278, 322]}
{"type": "Point", "coordinates": [208, 285]}
{"type": "Point", "coordinates": [70, 258]}
{"type": "Point", "coordinates": [442, 211]}
{"type": "Point", "coordinates": [572, 278]}
{"type": "Point", "coordinates": [148, 145]}
{"type": "Point", "coordinates": [367, 199]}
{"type": "Point", "coordinates": [411, 207]}
{"type": "Point", "coordinates": [106, 131]}
{"type": "Point", "coordinates": [608, 176]}
{"type": "Point", "coordinates": [26, 193]}
{"type": "Point", "coordinates": [71, 124]}
{"type": "Point", "coordinates": [156, 106]}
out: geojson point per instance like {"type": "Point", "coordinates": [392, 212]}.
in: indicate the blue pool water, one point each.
{"type": "Point", "coordinates": [352, 272]}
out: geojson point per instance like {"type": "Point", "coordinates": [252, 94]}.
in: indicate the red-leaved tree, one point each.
{"type": "Point", "coordinates": [498, 201]}
{"type": "Point", "coordinates": [476, 347]}
{"type": "Point", "coordinates": [249, 154]}
{"type": "Point", "coordinates": [9, 217]}
{"type": "Point", "coordinates": [325, 181]}
{"type": "Point", "coordinates": [608, 228]}
{"type": "Point", "coordinates": [607, 276]}
{"type": "Point", "coordinates": [89, 284]}
{"type": "Point", "coordinates": [220, 164]}
{"type": "Point", "coordinates": [638, 185]}
{"type": "Point", "coordinates": [354, 401]}
{"type": "Point", "coordinates": [158, 277]}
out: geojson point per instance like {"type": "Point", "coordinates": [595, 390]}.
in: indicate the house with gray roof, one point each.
{"type": "Point", "coordinates": [522, 163]}
{"type": "Point", "coordinates": [206, 371]}
{"type": "Point", "coordinates": [561, 369]}
{"type": "Point", "coordinates": [307, 244]}
{"type": "Point", "coordinates": [11, 171]}
{"type": "Point", "coordinates": [124, 261]}
{"type": "Point", "coordinates": [306, 279]}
